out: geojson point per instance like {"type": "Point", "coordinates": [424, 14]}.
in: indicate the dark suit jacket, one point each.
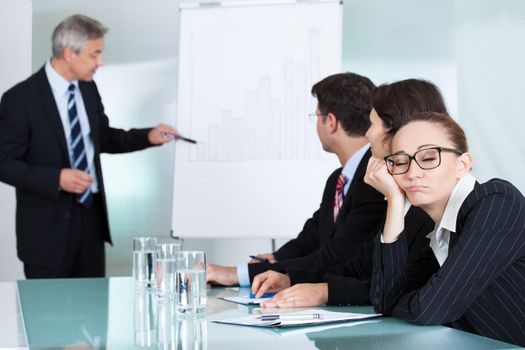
{"type": "Point", "coordinates": [481, 286]}
{"type": "Point", "coordinates": [349, 282]}
{"type": "Point", "coordinates": [322, 242]}
{"type": "Point", "coordinates": [33, 150]}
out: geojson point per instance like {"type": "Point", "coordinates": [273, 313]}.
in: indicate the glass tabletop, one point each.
{"type": "Point", "coordinates": [112, 314]}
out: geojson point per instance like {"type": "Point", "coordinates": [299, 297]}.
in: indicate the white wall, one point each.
{"type": "Point", "coordinates": [394, 40]}
{"type": "Point", "coordinates": [491, 78]}
{"type": "Point", "coordinates": [473, 50]}
{"type": "Point", "coordinates": [15, 65]}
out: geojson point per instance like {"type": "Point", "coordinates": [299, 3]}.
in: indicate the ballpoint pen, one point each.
{"type": "Point", "coordinates": [260, 258]}
{"type": "Point", "coordinates": [178, 137]}
{"type": "Point", "coordinates": [314, 316]}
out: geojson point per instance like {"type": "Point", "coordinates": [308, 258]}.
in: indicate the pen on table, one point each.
{"type": "Point", "coordinates": [285, 317]}
{"type": "Point", "coordinates": [261, 259]}
{"type": "Point", "coordinates": [265, 295]}
{"type": "Point", "coordinates": [178, 137]}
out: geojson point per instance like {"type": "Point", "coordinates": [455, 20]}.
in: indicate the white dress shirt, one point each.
{"type": "Point", "coordinates": [440, 237]}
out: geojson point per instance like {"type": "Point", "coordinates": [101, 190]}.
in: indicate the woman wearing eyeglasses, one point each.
{"type": "Point", "coordinates": [472, 277]}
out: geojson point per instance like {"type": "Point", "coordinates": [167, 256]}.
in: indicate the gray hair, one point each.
{"type": "Point", "coordinates": [75, 32]}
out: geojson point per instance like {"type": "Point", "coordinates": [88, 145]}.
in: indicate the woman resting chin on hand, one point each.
{"type": "Point", "coordinates": [472, 276]}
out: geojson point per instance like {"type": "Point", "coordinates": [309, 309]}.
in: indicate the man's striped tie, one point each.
{"type": "Point", "coordinates": [77, 145]}
{"type": "Point", "coordinates": [339, 196]}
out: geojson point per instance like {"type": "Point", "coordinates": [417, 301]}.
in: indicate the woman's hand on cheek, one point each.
{"type": "Point", "coordinates": [378, 177]}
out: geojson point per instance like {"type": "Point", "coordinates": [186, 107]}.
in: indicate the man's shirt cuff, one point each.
{"type": "Point", "coordinates": [243, 276]}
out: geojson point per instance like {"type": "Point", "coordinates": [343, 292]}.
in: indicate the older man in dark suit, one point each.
{"type": "Point", "coordinates": [52, 131]}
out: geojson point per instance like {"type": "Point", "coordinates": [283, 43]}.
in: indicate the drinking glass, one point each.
{"type": "Point", "coordinates": [166, 256]}
{"type": "Point", "coordinates": [144, 261]}
{"type": "Point", "coordinates": [191, 281]}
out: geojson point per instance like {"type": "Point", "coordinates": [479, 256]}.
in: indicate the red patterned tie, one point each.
{"type": "Point", "coordinates": [338, 200]}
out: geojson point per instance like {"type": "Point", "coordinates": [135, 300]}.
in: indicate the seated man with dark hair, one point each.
{"type": "Point", "coordinates": [350, 210]}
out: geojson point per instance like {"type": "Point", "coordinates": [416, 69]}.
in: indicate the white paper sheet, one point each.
{"type": "Point", "coordinates": [300, 318]}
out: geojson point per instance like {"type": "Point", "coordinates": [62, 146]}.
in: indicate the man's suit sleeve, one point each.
{"type": "Point", "coordinates": [41, 178]}
{"type": "Point", "coordinates": [347, 290]}
{"type": "Point", "coordinates": [349, 282]}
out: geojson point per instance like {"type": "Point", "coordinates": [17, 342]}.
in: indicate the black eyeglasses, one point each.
{"type": "Point", "coordinates": [426, 159]}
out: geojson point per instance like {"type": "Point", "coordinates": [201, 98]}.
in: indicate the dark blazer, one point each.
{"type": "Point", "coordinates": [33, 150]}
{"type": "Point", "coordinates": [322, 242]}
{"type": "Point", "coordinates": [349, 282]}
{"type": "Point", "coordinates": [481, 286]}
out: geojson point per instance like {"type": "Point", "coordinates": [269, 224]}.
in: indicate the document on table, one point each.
{"type": "Point", "coordinates": [295, 319]}
{"type": "Point", "coordinates": [286, 331]}
{"type": "Point", "coordinates": [246, 300]}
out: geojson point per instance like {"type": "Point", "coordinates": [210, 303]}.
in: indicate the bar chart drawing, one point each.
{"type": "Point", "coordinates": [244, 94]}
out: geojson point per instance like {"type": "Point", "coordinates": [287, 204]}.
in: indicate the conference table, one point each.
{"type": "Point", "coordinates": [109, 313]}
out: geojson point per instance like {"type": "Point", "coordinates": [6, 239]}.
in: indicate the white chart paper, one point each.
{"type": "Point", "coordinates": [245, 77]}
